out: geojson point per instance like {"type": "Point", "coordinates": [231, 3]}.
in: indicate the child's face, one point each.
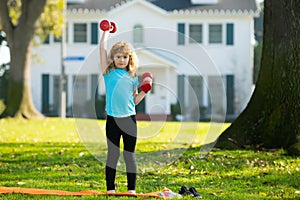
{"type": "Point", "coordinates": [121, 60]}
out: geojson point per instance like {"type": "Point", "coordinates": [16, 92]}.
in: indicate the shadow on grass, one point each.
{"type": "Point", "coordinates": [238, 174]}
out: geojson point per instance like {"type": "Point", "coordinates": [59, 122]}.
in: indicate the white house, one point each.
{"type": "Point", "coordinates": [200, 53]}
{"type": "Point", "coordinates": [4, 53]}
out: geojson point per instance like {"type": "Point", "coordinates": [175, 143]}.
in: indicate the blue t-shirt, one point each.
{"type": "Point", "coordinates": [119, 93]}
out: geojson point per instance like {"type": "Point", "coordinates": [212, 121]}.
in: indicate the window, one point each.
{"type": "Point", "coordinates": [181, 32]}
{"type": "Point", "coordinates": [196, 83]}
{"type": "Point", "coordinates": [138, 34]}
{"type": "Point", "coordinates": [195, 33]}
{"type": "Point", "coordinates": [80, 32]}
{"type": "Point", "coordinates": [215, 33]}
{"type": "Point", "coordinates": [57, 39]}
{"type": "Point", "coordinates": [229, 34]}
{"type": "Point", "coordinates": [47, 40]}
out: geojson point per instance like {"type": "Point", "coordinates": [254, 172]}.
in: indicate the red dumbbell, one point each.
{"type": "Point", "coordinates": [106, 25]}
{"type": "Point", "coordinates": [146, 84]}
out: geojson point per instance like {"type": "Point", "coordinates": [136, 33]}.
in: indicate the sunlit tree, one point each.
{"type": "Point", "coordinates": [22, 20]}
{"type": "Point", "coordinates": [272, 117]}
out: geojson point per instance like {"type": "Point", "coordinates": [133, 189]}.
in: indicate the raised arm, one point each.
{"type": "Point", "coordinates": [103, 51]}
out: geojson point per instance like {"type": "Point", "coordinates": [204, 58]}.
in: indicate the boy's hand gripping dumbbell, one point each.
{"type": "Point", "coordinates": [106, 25]}
{"type": "Point", "coordinates": [146, 84]}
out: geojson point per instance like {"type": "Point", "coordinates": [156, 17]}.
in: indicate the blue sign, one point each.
{"type": "Point", "coordinates": [74, 58]}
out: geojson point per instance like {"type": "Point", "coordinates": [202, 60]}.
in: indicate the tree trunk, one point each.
{"type": "Point", "coordinates": [272, 117]}
{"type": "Point", "coordinates": [19, 100]}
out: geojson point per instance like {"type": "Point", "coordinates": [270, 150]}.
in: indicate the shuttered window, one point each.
{"type": "Point", "coordinates": [215, 33]}
{"type": "Point", "coordinates": [80, 33]}
{"type": "Point", "coordinates": [195, 33]}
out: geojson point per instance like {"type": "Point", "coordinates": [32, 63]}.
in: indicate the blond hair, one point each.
{"type": "Point", "coordinates": [125, 48]}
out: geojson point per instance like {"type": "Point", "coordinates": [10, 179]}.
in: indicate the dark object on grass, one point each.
{"type": "Point", "coordinates": [185, 192]}
{"type": "Point", "coordinates": [195, 192]}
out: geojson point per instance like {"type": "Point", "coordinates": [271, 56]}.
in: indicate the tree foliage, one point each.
{"type": "Point", "coordinates": [50, 21]}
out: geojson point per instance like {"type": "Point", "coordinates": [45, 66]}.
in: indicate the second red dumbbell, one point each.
{"type": "Point", "coordinates": [106, 25]}
{"type": "Point", "coordinates": [146, 84]}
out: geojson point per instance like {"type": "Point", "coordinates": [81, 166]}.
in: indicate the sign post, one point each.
{"type": "Point", "coordinates": [62, 88]}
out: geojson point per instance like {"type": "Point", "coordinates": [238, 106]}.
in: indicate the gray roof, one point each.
{"type": "Point", "coordinates": [95, 4]}
{"type": "Point", "coordinates": [171, 5]}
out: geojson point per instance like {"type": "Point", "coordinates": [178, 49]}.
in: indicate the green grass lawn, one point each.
{"type": "Point", "coordinates": [69, 154]}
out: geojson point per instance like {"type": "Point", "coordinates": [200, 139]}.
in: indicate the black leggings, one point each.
{"type": "Point", "coordinates": [115, 128]}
